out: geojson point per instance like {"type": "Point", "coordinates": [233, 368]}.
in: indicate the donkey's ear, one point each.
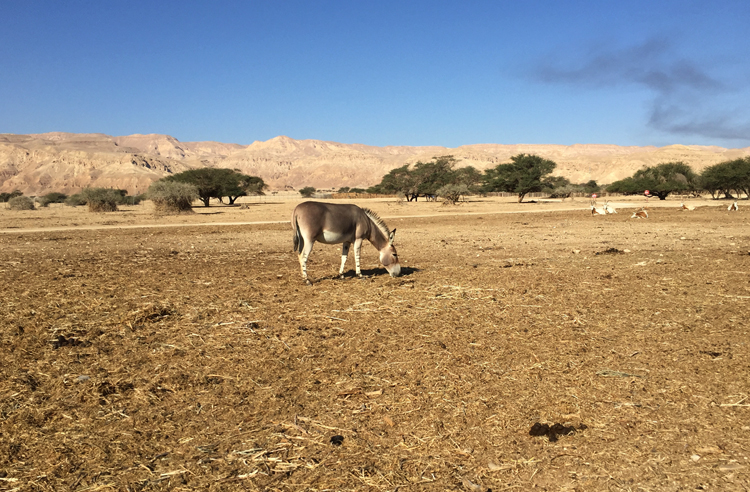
{"type": "Point", "coordinates": [391, 235]}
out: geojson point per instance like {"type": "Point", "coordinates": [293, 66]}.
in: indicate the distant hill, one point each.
{"type": "Point", "coordinates": [67, 162]}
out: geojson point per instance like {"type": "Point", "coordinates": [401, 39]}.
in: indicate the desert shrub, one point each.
{"type": "Point", "coordinates": [452, 193]}
{"type": "Point", "coordinates": [21, 203]}
{"type": "Point", "coordinates": [172, 197]}
{"type": "Point", "coordinates": [75, 200]}
{"type": "Point", "coordinates": [101, 199]}
{"type": "Point", "coordinates": [565, 191]}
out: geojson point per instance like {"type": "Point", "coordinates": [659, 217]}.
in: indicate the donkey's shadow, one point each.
{"type": "Point", "coordinates": [370, 273]}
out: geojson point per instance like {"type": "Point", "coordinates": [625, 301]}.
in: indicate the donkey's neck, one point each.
{"type": "Point", "coordinates": [377, 237]}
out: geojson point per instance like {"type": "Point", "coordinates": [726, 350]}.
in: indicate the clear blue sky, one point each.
{"type": "Point", "coordinates": [381, 73]}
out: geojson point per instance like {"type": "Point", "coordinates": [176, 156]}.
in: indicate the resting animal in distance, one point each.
{"type": "Point", "coordinates": [334, 223]}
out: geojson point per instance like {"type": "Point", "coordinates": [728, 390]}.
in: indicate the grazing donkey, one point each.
{"type": "Point", "coordinates": [331, 223]}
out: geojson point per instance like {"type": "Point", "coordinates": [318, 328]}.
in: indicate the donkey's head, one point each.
{"type": "Point", "coordinates": [389, 257]}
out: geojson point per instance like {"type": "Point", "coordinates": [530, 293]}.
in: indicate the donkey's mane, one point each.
{"type": "Point", "coordinates": [378, 221]}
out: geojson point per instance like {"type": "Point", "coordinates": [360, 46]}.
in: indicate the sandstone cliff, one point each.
{"type": "Point", "coordinates": [67, 162]}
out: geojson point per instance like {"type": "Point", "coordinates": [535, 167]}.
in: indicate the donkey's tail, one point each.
{"type": "Point", "coordinates": [299, 242]}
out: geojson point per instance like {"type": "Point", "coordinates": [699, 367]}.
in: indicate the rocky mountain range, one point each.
{"type": "Point", "coordinates": [67, 162]}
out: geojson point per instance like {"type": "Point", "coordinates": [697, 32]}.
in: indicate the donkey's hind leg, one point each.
{"type": "Point", "coordinates": [303, 260]}
{"type": "Point", "coordinates": [344, 255]}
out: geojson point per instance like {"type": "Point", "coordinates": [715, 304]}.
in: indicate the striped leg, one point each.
{"type": "Point", "coordinates": [344, 255]}
{"type": "Point", "coordinates": [357, 248]}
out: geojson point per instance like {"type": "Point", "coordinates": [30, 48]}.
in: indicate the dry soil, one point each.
{"type": "Point", "coordinates": [194, 357]}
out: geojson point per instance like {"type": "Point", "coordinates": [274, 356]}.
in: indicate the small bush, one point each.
{"type": "Point", "coordinates": [75, 200]}
{"type": "Point", "coordinates": [101, 199]}
{"type": "Point", "coordinates": [452, 193]}
{"type": "Point", "coordinates": [21, 203]}
{"type": "Point", "coordinates": [565, 191]}
{"type": "Point", "coordinates": [172, 197]}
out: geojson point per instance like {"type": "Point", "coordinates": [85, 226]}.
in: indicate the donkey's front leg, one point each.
{"type": "Point", "coordinates": [344, 255]}
{"type": "Point", "coordinates": [357, 248]}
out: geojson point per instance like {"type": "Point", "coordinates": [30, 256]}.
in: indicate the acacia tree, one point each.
{"type": "Point", "coordinates": [590, 187]}
{"type": "Point", "coordinates": [430, 176]}
{"type": "Point", "coordinates": [426, 178]}
{"type": "Point", "coordinates": [243, 185]}
{"type": "Point", "coordinates": [727, 177]}
{"type": "Point", "coordinates": [4, 197]}
{"type": "Point", "coordinates": [660, 180]}
{"type": "Point", "coordinates": [526, 173]}
{"type": "Point", "coordinates": [307, 191]}
{"type": "Point", "coordinates": [53, 197]}
{"type": "Point", "coordinates": [218, 183]}
{"type": "Point", "coordinates": [398, 180]}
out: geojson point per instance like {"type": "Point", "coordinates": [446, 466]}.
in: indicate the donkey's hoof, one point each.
{"type": "Point", "coordinates": [308, 282]}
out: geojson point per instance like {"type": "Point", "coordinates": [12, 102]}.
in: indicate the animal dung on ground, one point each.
{"type": "Point", "coordinates": [69, 341]}
{"type": "Point", "coordinates": [337, 440]}
{"type": "Point", "coordinates": [554, 430]}
{"type": "Point", "coordinates": [610, 251]}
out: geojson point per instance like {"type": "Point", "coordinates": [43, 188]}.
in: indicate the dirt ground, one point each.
{"type": "Point", "coordinates": [138, 355]}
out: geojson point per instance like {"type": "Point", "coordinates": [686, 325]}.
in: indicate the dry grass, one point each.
{"type": "Point", "coordinates": [195, 358]}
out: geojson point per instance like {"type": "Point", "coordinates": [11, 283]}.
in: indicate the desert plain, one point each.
{"type": "Point", "coordinates": [185, 353]}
